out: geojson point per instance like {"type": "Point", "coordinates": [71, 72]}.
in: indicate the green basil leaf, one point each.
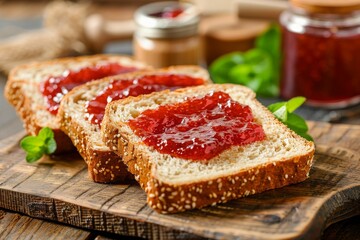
{"type": "Point", "coordinates": [296, 123]}
{"type": "Point", "coordinates": [255, 73]}
{"type": "Point", "coordinates": [220, 68]}
{"type": "Point", "coordinates": [305, 135]}
{"type": "Point", "coordinates": [270, 41]}
{"type": "Point", "coordinates": [267, 89]}
{"type": "Point", "coordinates": [242, 74]}
{"type": "Point", "coordinates": [256, 56]}
{"type": "Point", "coordinates": [275, 106]}
{"type": "Point", "coordinates": [261, 63]}
{"type": "Point", "coordinates": [294, 103]}
{"type": "Point", "coordinates": [254, 84]}
{"type": "Point", "coordinates": [281, 114]}
{"type": "Point", "coordinates": [263, 69]}
{"type": "Point", "coordinates": [283, 111]}
{"type": "Point", "coordinates": [257, 68]}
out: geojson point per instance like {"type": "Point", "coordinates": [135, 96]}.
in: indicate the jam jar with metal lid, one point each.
{"type": "Point", "coordinates": [321, 52]}
{"type": "Point", "coordinates": [167, 34]}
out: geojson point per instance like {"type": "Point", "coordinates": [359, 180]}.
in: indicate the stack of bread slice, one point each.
{"type": "Point", "coordinates": [114, 152]}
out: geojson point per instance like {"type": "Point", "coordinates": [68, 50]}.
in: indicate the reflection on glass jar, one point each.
{"type": "Point", "coordinates": [321, 52]}
{"type": "Point", "coordinates": [167, 34]}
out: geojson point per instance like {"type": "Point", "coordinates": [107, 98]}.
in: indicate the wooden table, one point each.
{"type": "Point", "coordinates": [18, 226]}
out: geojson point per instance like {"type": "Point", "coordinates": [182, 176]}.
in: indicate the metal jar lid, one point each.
{"type": "Point", "coordinates": [184, 25]}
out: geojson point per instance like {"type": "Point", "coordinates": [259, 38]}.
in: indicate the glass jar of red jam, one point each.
{"type": "Point", "coordinates": [321, 52]}
{"type": "Point", "coordinates": [167, 34]}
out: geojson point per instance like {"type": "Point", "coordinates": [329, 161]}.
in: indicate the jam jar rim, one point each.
{"type": "Point", "coordinates": [327, 6]}
{"type": "Point", "coordinates": [155, 27]}
{"type": "Point", "coordinates": [302, 18]}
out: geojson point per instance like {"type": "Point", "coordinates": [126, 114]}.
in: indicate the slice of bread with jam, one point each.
{"type": "Point", "coordinates": [204, 145]}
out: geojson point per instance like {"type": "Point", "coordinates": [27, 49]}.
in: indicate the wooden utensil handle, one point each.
{"type": "Point", "coordinates": [100, 31]}
{"type": "Point", "coordinates": [261, 9]}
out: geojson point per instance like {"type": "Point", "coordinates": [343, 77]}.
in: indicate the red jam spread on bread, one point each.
{"type": "Point", "coordinates": [120, 89]}
{"type": "Point", "coordinates": [55, 87]}
{"type": "Point", "coordinates": [198, 128]}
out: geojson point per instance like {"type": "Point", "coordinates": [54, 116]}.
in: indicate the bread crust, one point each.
{"type": "Point", "coordinates": [104, 165]}
{"type": "Point", "coordinates": [22, 105]}
{"type": "Point", "coordinates": [170, 198]}
{"type": "Point", "coordinates": [16, 96]}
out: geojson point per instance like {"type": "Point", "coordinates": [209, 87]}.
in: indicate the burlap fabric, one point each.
{"type": "Point", "coordinates": [62, 35]}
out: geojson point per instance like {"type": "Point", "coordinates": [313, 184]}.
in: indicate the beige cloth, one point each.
{"type": "Point", "coordinates": [62, 35]}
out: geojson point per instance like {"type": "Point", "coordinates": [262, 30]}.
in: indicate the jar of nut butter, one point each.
{"type": "Point", "coordinates": [167, 34]}
{"type": "Point", "coordinates": [321, 52]}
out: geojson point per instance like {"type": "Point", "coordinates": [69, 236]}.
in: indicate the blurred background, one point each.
{"type": "Point", "coordinates": [43, 30]}
{"type": "Point", "coordinates": [239, 41]}
{"type": "Point", "coordinates": [107, 26]}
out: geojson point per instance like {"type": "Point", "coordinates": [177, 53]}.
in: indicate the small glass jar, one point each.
{"type": "Point", "coordinates": [167, 34]}
{"type": "Point", "coordinates": [321, 52]}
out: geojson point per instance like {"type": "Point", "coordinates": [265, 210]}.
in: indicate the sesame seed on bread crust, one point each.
{"type": "Point", "coordinates": [22, 90]}
{"type": "Point", "coordinates": [173, 184]}
{"type": "Point", "coordinates": [103, 164]}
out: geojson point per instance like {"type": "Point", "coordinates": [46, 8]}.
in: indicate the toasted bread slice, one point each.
{"type": "Point", "coordinates": [22, 90]}
{"type": "Point", "coordinates": [174, 184]}
{"type": "Point", "coordinates": [103, 164]}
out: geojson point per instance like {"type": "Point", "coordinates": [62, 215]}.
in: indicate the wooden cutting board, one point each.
{"type": "Point", "coordinates": [60, 190]}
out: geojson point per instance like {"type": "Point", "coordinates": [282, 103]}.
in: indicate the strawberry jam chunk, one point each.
{"type": "Point", "coordinates": [120, 89]}
{"type": "Point", "coordinates": [199, 128]}
{"type": "Point", "coordinates": [55, 87]}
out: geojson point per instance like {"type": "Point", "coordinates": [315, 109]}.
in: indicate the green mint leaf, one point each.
{"type": "Point", "coordinates": [294, 103]}
{"type": "Point", "coordinates": [281, 114]}
{"type": "Point", "coordinates": [31, 144]}
{"type": "Point", "coordinates": [284, 112]}
{"type": "Point", "coordinates": [46, 133]}
{"type": "Point", "coordinates": [50, 146]}
{"type": "Point", "coordinates": [37, 146]}
{"type": "Point", "coordinates": [33, 156]}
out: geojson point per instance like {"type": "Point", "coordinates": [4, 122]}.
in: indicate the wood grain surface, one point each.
{"type": "Point", "coordinates": [59, 190]}
{"type": "Point", "coordinates": [16, 226]}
